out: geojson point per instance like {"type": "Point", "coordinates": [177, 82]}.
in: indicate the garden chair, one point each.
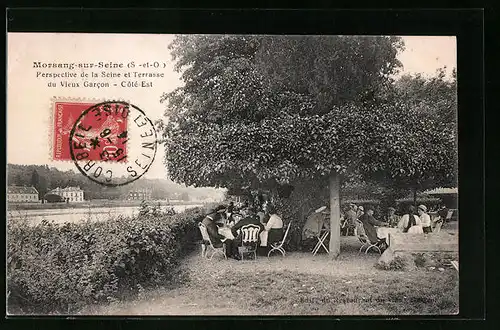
{"type": "Point", "coordinates": [448, 216]}
{"type": "Point", "coordinates": [321, 242]}
{"type": "Point", "coordinates": [343, 227]}
{"type": "Point", "coordinates": [249, 240]}
{"type": "Point", "coordinates": [365, 241]}
{"type": "Point", "coordinates": [207, 244]}
{"type": "Point", "coordinates": [437, 226]}
{"type": "Point", "coordinates": [346, 228]}
{"type": "Point", "coordinates": [279, 245]}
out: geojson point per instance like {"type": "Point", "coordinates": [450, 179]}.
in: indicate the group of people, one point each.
{"type": "Point", "coordinates": [224, 223]}
{"type": "Point", "coordinates": [415, 220]}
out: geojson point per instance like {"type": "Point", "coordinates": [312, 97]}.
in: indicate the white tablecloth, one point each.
{"type": "Point", "coordinates": [383, 232]}
{"type": "Point", "coordinates": [263, 237]}
{"type": "Point", "coordinates": [226, 232]}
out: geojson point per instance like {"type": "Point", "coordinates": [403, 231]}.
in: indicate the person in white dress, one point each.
{"type": "Point", "coordinates": [425, 219]}
{"type": "Point", "coordinates": [273, 228]}
{"type": "Point", "coordinates": [410, 222]}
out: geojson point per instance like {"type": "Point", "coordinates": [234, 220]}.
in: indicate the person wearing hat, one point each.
{"type": "Point", "coordinates": [369, 223]}
{"type": "Point", "coordinates": [425, 219]}
{"type": "Point", "coordinates": [210, 222]}
{"type": "Point", "coordinates": [360, 212]}
{"type": "Point", "coordinates": [251, 219]}
{"type": "Point", "coordinates": [350, 217]}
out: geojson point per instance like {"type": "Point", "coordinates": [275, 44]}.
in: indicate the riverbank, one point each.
{"type": "Point", "coordinates": [93, 204]}
{"type": "Point", "coordinates": [62, 268]}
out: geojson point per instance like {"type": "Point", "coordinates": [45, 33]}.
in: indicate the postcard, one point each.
{"type": "Point", "coordinates": [162, 174]}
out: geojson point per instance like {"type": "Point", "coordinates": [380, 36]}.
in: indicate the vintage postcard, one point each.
{"type": "Point", "coordinates": [162, 174]}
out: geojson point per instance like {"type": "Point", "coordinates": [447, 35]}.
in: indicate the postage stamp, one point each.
{"type": "Point", "coordinates": [112, 143]}
{"type": "Point", "coordinates": [64, 116]}
{"type": "Point", "coordinates": [100, 132]}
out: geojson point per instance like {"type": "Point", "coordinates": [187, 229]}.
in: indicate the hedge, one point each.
{"type": "Point", "coordinates": [59, 268]}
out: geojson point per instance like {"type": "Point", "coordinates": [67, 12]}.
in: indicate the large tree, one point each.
{"type": "Point", "coordinates": [267, 111]}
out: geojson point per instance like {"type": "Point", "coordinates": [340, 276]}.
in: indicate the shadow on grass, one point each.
{"type": "Point", "coordinates": [286, 293]}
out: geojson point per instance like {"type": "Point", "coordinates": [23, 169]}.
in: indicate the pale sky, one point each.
{"type": "Point", "coordinates": [29, 98]}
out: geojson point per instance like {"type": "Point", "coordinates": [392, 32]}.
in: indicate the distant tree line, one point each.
{"type": "Point", "coordinates": [45, 178]}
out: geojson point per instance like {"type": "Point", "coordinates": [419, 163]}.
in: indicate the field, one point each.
{"type": "Point", "coordinates": [298, 284]}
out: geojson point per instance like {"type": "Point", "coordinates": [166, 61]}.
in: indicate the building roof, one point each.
{"type": "Point", "coordinates": [22, 190]}
{"type": "Point", "coordinates": [58, 189]}
{"type": "Point", "coordinates": [361, 201]}
{"type": "Point", "coordinates": [442, 191]}
{"type": "Point", "coordinates": [144, 190]}
{"type": "Point", "coordinates": [420, 199]}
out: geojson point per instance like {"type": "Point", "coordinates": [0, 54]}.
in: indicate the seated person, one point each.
{"type": "Point", "coordinates": [442, 212]}
{"type": "Point", "coordinates": [230, 207]}
{"type": "Point", "coordinates": [437, 221]}
{"type": "Point", "coordinates": [425, 219]}
{"type": "Point", "coordinates": [369, 223]}
{"type": "Point", "coordinates": [410, 222]}
{"type": "Point", "coordinates": [263, 217]}
{"type": "Point", "coordinates": [360, 211]}
{"type": "Point", "coordinates": [392, 219]}
{"type": "Point", "coordinates": [228, 214]}
{"type": "Point", "coordinates": [315, 222]}
{"type": "Point", "coordinates": [273, 229]}
{"type": "Point", "coordinates": [252, 218]}
{"type": "Point", "coordinates": [350, 218]}
{"type": "Point", "coordinates": [210, 221]}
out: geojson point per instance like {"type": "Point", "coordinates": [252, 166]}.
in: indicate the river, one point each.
{"type": "Point", "coordinates": [80, 214]}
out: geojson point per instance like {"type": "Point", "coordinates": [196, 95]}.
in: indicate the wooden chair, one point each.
{"type": "Point", "coordinates": [279, 245]}
{"type": "Point", "coordinates": [365, 241]}
{"type": "Point", "coordinates": [249, 240]}
{"type": "Point", "coordinates": [207, 244]}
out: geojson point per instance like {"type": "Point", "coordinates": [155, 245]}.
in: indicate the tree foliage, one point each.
{"type": "Point", "coordinates": [333, 70]}
{"type": "Point", "coordinates": [436, 93]}
{"type": "Point", "coordinates": [263, 111]}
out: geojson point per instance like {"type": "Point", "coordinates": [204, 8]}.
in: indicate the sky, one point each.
{"type": "Point", "coordinates": [29, 99]}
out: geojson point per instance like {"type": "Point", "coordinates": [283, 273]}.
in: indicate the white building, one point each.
{"type": "Point", "coordinates": [140, 194]}
{"type": "Point", "coordinates": [22, 194]}
{"type": "Point", "coordinates": [70, 194]}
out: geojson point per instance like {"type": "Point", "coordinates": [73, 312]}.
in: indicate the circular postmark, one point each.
{"type": "Point", "coordinates": [113, 143]}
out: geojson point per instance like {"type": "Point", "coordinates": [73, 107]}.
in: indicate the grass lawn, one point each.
{"type": "Point", "coordinates": [298, 284]}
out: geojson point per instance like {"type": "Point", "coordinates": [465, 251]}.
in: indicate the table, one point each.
{"type": "Point", "coordinates": [226, 232]}
{"type": "Point", "coordinates": [383, 232]}
{"type": "Point", "coordinates": [263, 237]}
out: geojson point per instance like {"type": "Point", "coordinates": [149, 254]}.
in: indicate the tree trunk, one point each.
{"type": "Point", "coordinates": [415, 196]}
{"type": "Point", "coordinates": [334, 215]}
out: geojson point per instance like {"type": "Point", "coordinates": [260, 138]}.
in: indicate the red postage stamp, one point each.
{"type": "Point", "coordinates": [98, 131]}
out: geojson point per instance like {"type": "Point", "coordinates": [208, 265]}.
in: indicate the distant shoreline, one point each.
{"type": "Point", "coordinates": [94, 204]}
